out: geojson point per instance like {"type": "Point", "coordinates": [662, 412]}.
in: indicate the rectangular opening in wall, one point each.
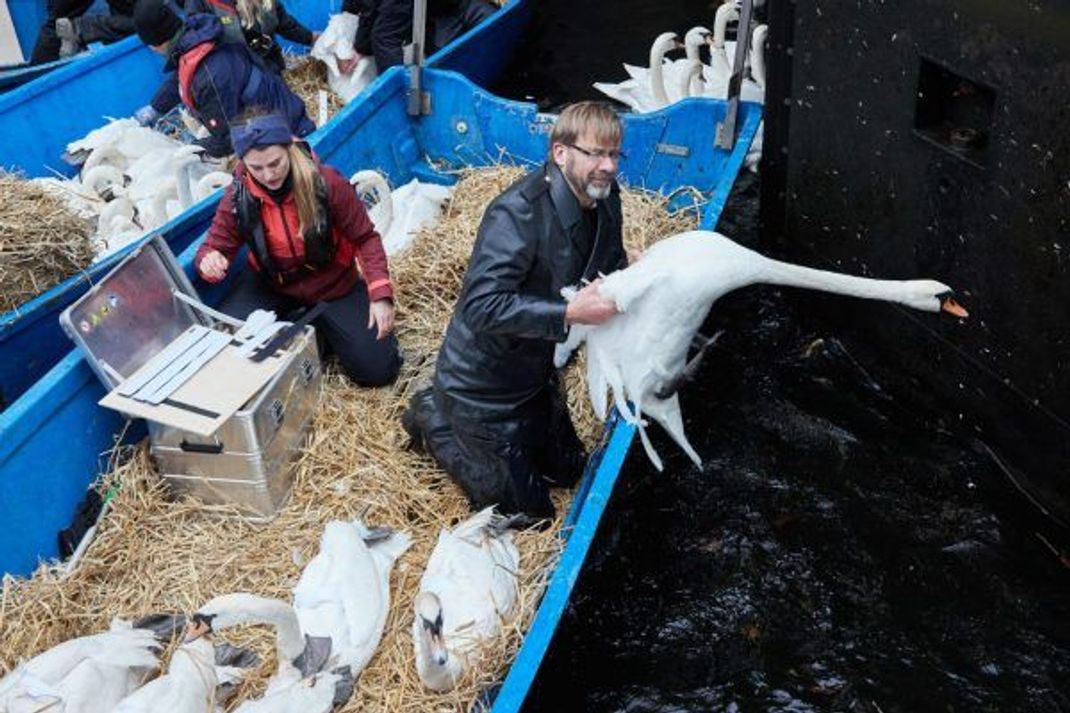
{"type": "Point", "coordinates": [953, 112]}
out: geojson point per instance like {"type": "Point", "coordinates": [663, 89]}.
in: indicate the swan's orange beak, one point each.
{"type": "Point", "coordinates": [949, 305]}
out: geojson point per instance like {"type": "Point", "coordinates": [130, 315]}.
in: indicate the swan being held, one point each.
{"type": "Point", "coordinates": [663, 299]}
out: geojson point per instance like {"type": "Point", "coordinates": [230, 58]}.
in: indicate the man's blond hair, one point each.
{"type": "Point", "coordinates": [596, 118]}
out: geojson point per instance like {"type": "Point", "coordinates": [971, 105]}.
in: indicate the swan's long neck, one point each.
{"type": "Point", "coordinates": [657, 77]}
{"type": "Point", "coordinates": [185, 192]}
{"type": "Point", "coordinates": [720, 23]}
{"type": "Point", "coordinates": [757, 55]}
{"type": "Point", "coordinates": [783, 273]}
{"type": "Point", "coordinates": [243, 608]}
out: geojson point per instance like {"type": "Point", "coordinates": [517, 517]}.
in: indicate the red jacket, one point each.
{"type": "Point", "coordinates": [354, 234]}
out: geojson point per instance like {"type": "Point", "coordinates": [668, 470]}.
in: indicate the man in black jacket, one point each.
{"type": "Point", "coordinates": [494, 418]}
{"type": "Point", "coordinates": [386, 27]}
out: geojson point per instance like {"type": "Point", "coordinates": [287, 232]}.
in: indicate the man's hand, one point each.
{"type": "Point", "coordinates": [213, 266]}
{"type": "Point", "coordinates": [589, 306]}
{"type": "Point", "coordinates": [346, 66]}
{"type": "Point", "coordinates": [381, 314]}
{"type": "Point", "coordinates": [634, 254]}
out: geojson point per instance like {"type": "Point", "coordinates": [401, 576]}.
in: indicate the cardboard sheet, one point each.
{"type": "Point", "coordinates": [211, 396]}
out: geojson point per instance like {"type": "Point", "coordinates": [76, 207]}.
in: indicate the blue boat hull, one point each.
{"type": "Point", "coordinates": [39, 123]}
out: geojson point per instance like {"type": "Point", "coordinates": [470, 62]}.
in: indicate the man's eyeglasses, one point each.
{"type": "Point", "coordinates": [599, 154]}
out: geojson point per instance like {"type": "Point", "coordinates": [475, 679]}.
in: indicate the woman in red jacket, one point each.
{"type": "Point", "coordinates": [307, 231]}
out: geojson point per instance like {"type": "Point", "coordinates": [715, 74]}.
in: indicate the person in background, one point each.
{"type": "Point", "coordinates": [217, 80]}
{"type": "Point", "coordinates": [307, 231]}
{"type": "Point", "coordinates": [256, 22]}
{"type": "Point", "coordinates": [494, 418]}
{"type": "Point", "coordinates": [386, 27]}
{"type": "Point", "coordinates": [68, 31]}
{"type": "Point", "coordinates": [253, 23]}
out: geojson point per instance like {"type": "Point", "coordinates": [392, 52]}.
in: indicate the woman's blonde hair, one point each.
{"type": "Point", "coordinates": [305, 177]}
{"type": "Point", "coordinates": [251, 12]}
{"type": "Point", "coordinates": [587, 116]}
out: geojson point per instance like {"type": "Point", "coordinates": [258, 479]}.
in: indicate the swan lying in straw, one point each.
{"type": "Point", "coordinates": [663, 298]}
{"type": "Point", "coordinates": [341, 602]}
{"type": "Point", "coordinates": [299, 683]}
{"type": "Point", "coordinates": [344, 592]}
{"type": "Point", "coordinates": [189, 686]}
{"type": "Point", "coordinates": [468, 588]}
{"type": "Point", "coordinates": [398, 215]}
{"type": "Point", "coordinates": [89, 674]}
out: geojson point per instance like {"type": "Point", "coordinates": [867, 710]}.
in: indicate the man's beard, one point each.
{"type": "Point", "coordinates": [598, 193]}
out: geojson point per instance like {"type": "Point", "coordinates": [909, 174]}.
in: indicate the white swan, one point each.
{"type": "Point", "coordinates": [335, 43]}
{"type": "Point", "coordinates": [89, 674]}
{"type": "Point", "coordinates": [209, 183]}
{"type": "Point", "coordinates": [468, 588]}
{"type": "Point", "coordinates": [720, 67]}
{"type": "Point", "coordinates": [372, 188]}
{"type": "Point", "coordinates": [663, 298]}
{"type": "Point", "coordinates": [106, 155]}
{"type": "Point", "coordinates": [650, 94]}
{"type": "Point", "coordinates": [189, 686]}
{"type": "Point", "coordinates": [344, 592]}
{"type": "Point", "coordinates": [104, 180]}
{"type": "Point", "coordinates": [695, 38]}
{"type": "Point", "coordinates": [298, 683]}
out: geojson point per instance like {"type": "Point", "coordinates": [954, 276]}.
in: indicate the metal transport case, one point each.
{"type": "Point", "coordinates": [129, 317]}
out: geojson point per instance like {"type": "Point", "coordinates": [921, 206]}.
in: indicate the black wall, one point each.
{"type": "Point", "coordinates": [930, 139]}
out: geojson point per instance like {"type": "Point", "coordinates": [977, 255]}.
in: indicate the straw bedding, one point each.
{"type": "Point", "coordinates": [42, 242]}
{"type": "Point", "coordinates": [307, 76]}
{"type": "Point", "coordinates": [152, 554]}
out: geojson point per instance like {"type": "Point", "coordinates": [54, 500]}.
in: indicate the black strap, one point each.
{"type": "Point", "coordinates": [285, 334]}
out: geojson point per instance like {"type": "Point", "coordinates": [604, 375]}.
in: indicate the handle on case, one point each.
{"type": "Point", "coordinates": [277, 411]}
{"type": "Point", "coordinates": [308, 370]}
{"type": "Point", "coordinates": [214, 448]}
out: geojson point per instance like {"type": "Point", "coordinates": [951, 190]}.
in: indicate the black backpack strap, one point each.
{"type": "Point", "coordinates": [251, 227]}
{"type": "Point", "coordinates": [320, 247]}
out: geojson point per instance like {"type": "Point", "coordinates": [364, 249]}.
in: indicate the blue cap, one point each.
{"type": "Point", "coordinates": [260, 131]}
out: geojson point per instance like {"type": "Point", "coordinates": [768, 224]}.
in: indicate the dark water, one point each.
{"type": "Point", "coordinates": [842, 549]}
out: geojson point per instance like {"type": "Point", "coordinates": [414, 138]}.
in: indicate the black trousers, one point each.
{"type": "Point", "coordinates": [342, 328]}
{"type": "Point", "coordinates": [96, 28]}
{"type": "Point", "coordinates": [508, 463]}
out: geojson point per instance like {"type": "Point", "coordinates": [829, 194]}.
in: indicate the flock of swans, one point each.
{"type": "Point", "coordinates": [664, 81]}
{"type": "Point", "coordinates": [132, 180]}
{"type": "Point", "coordinates": [324, 638]}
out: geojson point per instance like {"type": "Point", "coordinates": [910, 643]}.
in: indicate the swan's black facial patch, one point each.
{"type": "Point", "coordinates": [204, 620]}
{"type": "Point", "coordinates": [433, 627]}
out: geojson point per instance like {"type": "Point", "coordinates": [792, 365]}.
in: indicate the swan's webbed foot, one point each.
{"type": "Point", "coordinates": [690, 370]}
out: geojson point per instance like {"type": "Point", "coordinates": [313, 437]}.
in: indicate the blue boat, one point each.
{"type": "Point", "coordinates": [38, 121]}
{"type": "Point", "coordinates": [27, 17]}
{"type": "Point", "coordinates": [52, 438]}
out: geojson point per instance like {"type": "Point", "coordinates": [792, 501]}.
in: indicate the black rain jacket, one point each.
{"type": "Point", "coordinates": [498, 352]}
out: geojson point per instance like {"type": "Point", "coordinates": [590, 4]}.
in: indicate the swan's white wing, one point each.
{"type": "Point", "coordinates": [309, 695]}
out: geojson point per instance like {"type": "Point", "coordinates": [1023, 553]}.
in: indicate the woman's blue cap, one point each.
{"type": "Point", "coordinates": [260, 131]}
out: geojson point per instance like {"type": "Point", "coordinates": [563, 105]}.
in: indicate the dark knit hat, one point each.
{"type": "Point", "coordinates": [156, 23]}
